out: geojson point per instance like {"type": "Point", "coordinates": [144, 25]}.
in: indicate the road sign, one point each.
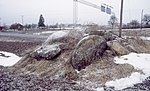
{"type": "Point", "coordinates": [102, 8]}
{"type": "Point", "coordinates": [108, 10]}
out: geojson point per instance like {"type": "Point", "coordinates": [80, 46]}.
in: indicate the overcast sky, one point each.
{"type": "Point", "coordinates": [61, 11]}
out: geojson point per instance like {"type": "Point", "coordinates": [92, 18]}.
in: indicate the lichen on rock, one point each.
{"type": "Point", "coordinates": [88, 50]}
{"type": "Point", "coordinates": [46, 52]}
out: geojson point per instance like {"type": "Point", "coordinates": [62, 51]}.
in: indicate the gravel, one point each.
{"type": "Point", "coordinates": [18, 82]}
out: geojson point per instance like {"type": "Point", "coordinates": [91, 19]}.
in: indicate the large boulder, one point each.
{"type": "Point", "coordinates": [46, 52]}
{"type": "Point", "coordinates": [97, 32]}
{"type": "Point", "coordinates": [117, 48]}
{"type": "Point", "coordinates": [64, 36]}
{"type": "Point", "coordinates": [68, 39]}
{"type": "Point", "coordinates": [138, 45]}
{"type": "Point", "coordinates": [88, 50]}
{"type": "Point", "coordinates": [108, 35]}
{"type": "Point", "coordinates": [56, 36]}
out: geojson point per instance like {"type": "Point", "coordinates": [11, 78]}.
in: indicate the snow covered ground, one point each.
{"type": "Point", "coordinates": [45, 32]}
{"type": "Point", "coordinates": [145, 38]}
{"type": "Point", "coordinates": [8, 59]}
{"type": "Point", "coordinates": [140, 62]}
{"type": "Point", "coordinates": [142, 37]}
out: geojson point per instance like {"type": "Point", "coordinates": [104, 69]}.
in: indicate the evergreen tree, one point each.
{"type": "Point", "coordinates": [41, 21]}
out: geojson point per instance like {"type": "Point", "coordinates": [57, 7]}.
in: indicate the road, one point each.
{"type": "Point", "coordinates": [21, 36]}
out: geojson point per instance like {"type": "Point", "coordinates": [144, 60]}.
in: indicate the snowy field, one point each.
{"type": "Point", "coordinates": [139, 61]}
{"type": "Point", "coordinates": [8, 59]}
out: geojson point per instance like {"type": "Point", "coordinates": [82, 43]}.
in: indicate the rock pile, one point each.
{"type": "Point", "coordinates": [91, 54]}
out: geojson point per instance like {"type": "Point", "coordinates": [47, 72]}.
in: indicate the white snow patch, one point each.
{"type": "Point", "coordinates": [140, 62]}
{"type": "Point", "coordinates": [145, 38]}
{"type": "Point", "coordinates": [126, 82]}
{"type": "Point", "coordinates": [142, 37]}
{"type": "Point", "coordinates": [9, 59]}
{"type": "Point", "coordinates": [99, 89]}
{"type": "Point", "coordinates": [48, 48]}
{"type": "Point", "coordinates": [45, 32]}
{"type": "Point", "coordinates": [57, 35]}
{"type": "Point", "coordinates": [77, 71]}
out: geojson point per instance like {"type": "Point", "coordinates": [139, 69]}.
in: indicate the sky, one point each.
{"type": "Point", "coordinates": [61, 11]}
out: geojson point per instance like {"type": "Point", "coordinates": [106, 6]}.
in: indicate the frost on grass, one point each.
{"type": "Point", "coordinates": [8, 59]}
{"type": "Point", "coordinates": [140, 62]}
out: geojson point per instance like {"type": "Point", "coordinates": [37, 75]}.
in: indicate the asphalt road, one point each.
{"type": "Point", "coordinates": [20, 36]}
{"type": "Point", "coordinates": [19, 42]}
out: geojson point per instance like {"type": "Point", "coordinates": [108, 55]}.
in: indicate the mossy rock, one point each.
{"type": "Point", "coordinates": [88, 50]}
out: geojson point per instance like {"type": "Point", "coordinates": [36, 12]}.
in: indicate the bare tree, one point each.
{"type": "Point", "coordinates": [112, 21]}
{"type": "Point", "coordinates": [134, 24]}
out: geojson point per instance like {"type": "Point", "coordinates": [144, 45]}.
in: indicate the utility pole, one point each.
{"type": "Point", "coordinates": [22, 19]}
{"type": "Point", "coordinates": [121, 13]}
{"type": "Point", "coordinates": [75, 13]}
{"type": "Point", "coordinates": [0, 21]}
{"type": "Point", "coordinates": [141, 19]}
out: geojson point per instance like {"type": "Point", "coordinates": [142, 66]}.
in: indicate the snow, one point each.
{"type": "Point", "coordinates": [55, 32]}
{"type": "Point", "coordinates": [99, 89]}
{"type": "Point", "coordinates": [45, 32]}
{"type": "Point", "coordinates": [8, 59]}
{"type": "Point", "coordinates": [142, 37]}
{"type": "Point", "coordinates": [127, 82]}
{"type": "Point", "coordinates": [57, 35]}
{"type": "Point", "coordinates": [48, 48]}
{"type": "Point", "coordinates": [145, 38]}
{"type": "Point", "coordinates": [140, 62]}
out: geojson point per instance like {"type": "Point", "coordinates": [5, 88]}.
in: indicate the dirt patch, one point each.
{"type": "Point", "coordinates": [18, 48]}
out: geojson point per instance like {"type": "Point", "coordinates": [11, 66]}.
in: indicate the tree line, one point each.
{"type": "Point", "coordinates": [113, 23]}
{"type": "Point", "coordinates": [18, 26]}
{"type": "Point", "coordinates": [145, 22]}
